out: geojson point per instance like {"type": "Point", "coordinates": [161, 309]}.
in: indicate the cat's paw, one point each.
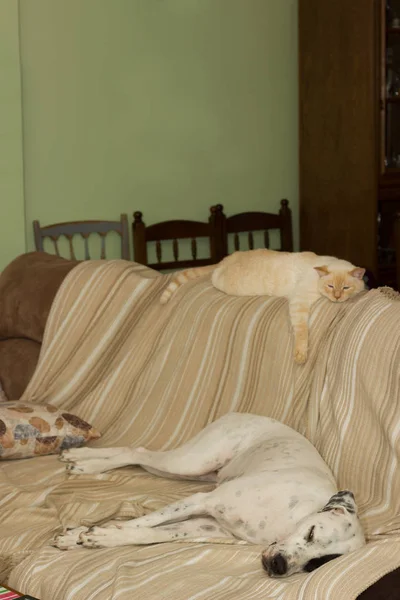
{"type": "Point", "coordinates": [300, 356]}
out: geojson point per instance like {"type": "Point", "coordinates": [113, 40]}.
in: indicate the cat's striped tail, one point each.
{"type": "Point", "coordinates": [182, 277]}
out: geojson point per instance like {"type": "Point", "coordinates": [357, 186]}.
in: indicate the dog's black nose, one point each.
{"type": "Point", "coordinates": [278, 565]}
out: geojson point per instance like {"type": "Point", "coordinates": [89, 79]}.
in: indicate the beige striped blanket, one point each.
{"type": "Point", "coordinates": [147, 374]}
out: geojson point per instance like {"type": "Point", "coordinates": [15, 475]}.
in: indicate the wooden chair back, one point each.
{"type": "Point", "coordinates": [249, 222]}
{"type": "Point", "coordinates": [173, 231]}
{"type": "Point", "coordinates": [84, 229]}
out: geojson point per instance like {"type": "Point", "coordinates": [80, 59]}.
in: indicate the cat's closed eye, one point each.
{"type": "Point", "coordinates": [330, 286]}
{"type": "Point", "coordinates": [346, 287]}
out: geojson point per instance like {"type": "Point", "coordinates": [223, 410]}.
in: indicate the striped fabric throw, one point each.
{"type": "Point", "coordinates": [153, 375]}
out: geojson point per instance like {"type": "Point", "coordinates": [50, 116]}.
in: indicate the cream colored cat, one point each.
{"type": "Point", "coordinates": [302, 277]}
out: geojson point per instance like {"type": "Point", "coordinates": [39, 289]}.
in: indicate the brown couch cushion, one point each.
{"type": "Point", "coordinates": [28, 286]}
{"type": "Point", "coordinates": [18, 359]}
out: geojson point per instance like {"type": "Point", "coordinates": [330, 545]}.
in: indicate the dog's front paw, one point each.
{"type": "Point", "coordinates": [69, 539]}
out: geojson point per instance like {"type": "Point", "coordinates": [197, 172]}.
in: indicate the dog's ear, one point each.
{"type": "Point", "coordinates": [341, 503]}
{"type": "Point", "coordinates": [314, 563]}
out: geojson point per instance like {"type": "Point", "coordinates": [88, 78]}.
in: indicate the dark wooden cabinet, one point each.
{"type": "Point", "coordinates": [349, 96]}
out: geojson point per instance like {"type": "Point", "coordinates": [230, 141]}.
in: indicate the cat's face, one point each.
{"type": "Point", "coordinates": [339, 286]}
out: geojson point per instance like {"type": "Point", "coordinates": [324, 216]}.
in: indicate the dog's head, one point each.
{"type": "Point", "coordinates": [317, 539]}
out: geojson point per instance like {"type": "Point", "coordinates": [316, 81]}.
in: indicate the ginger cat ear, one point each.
{"type": "Point", "coordinates": [322, 271]}
{"type": "Point", "coordinates": [358, 273]}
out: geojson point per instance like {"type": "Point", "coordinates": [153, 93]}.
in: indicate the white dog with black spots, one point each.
{"type": "Point", "coordinates": [272, 489]}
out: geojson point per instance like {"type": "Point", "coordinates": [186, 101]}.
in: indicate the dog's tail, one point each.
{"type": "Point", "coordinates": [181, 278]}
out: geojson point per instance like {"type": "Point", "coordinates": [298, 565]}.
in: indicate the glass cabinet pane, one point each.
{"type": "Point", "coordinates": [391, 85]}
{"type": "Point", "coordinates": [392, 154]}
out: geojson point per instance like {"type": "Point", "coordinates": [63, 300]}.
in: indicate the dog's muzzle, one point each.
{"type": "Point", "coordinates": [275, 565]}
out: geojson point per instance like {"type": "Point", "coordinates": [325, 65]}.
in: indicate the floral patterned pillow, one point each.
{"type": "Point", "coordinates": [36, 429]}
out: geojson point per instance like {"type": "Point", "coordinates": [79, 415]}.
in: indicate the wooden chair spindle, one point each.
{"type": "Point", "coordinates": [158, 251]}
{"type": "Point", "coordinates": [103, 246]}
{"type": "Point", "coordinates": [71, 247]}
{"type": "Point", "coordinates": [86, 240]}
{"type": "Point", "coordinates": [194, 248]}
{"type": "Point", "coordinates": [55, 242]}
{"type": "Point", "coordinates": [175, 248]}
{"type": "Point", "coordinates": [251, 240]}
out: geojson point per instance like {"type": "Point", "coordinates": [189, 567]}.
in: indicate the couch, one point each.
{"type": "Point", "coordinates": [154, 375]}
{"type": "Point", "coordinates": [28, 286]}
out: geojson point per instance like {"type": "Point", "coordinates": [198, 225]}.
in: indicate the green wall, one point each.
{"type": "Point", "coordinates": [164, 106]}
{"type": "Point", "coordinates": [12, 217]}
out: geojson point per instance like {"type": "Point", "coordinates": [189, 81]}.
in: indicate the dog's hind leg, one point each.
{"type": "Point", "coordinates": [107, 537]}
{"type": "Point", "coordinates": [80, 466]}
{"type": "Point", "coordinates": [86, 453]}
{"type": "Point", "coordinates": [204, 454]}
{"type": "Point", "coordinates": [208, 451]}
